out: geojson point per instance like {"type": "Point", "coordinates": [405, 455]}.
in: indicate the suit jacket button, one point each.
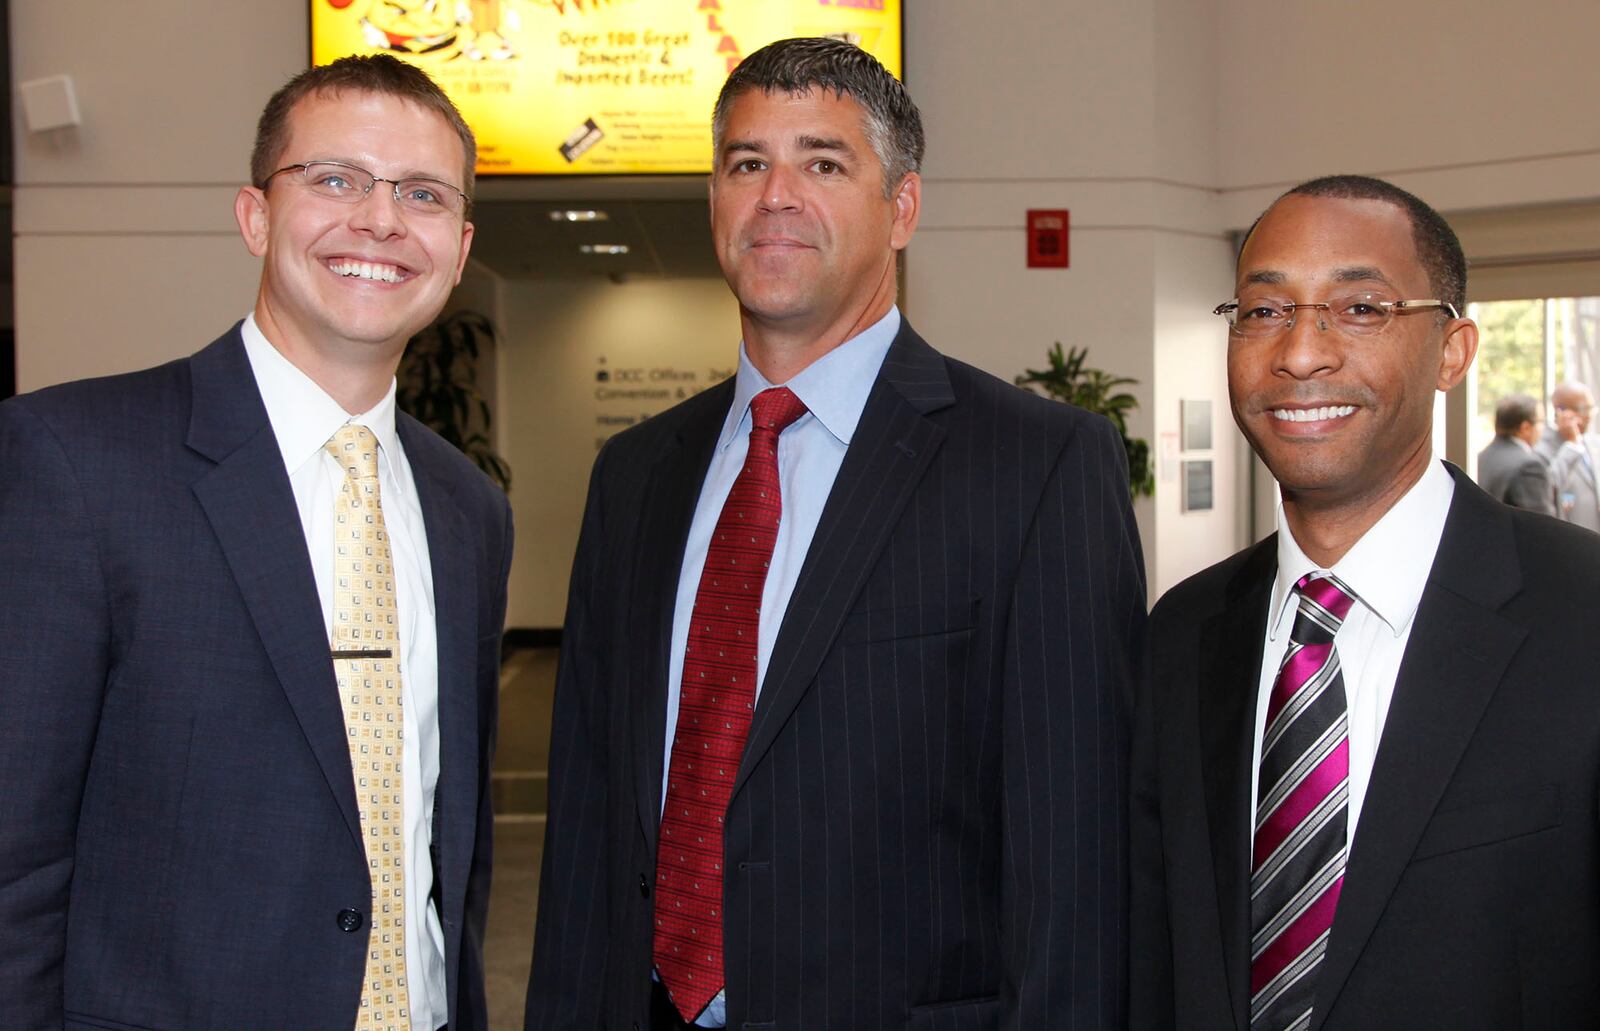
{"type": "Point", "coordinates": [349, 920]}
{"type": "Point", "coordinates": [644, 887]}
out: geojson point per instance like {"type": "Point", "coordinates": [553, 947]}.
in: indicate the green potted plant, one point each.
{"type": "Point", "coordinates": [437, 383]}
{"type": "Point", "coordinates": [1095, 390]}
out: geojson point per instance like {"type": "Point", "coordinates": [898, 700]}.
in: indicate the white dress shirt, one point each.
{"type": "Point", "coordinates": [834, 389]}
{"type": "Point", "coordinates": [1387, 569]}
{"type": "Point", "coordinates": [303, 417]}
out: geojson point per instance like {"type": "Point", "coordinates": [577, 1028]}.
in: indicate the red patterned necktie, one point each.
{"type": "Point", "coordinates": [1298, 857]}
{"type": "Point", "coordinates": [716, 701]}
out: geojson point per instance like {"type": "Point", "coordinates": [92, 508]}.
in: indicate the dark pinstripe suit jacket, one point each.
{"type": "Point", "coordinates": [928, 828]}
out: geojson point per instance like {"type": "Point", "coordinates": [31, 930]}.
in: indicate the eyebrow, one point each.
{"type": "Point", "coordinates": [1360, 274]}
{"type": "Point", "coordinates": [802, 142]}
{"type": "Point", "coordinates": [1348, 274]}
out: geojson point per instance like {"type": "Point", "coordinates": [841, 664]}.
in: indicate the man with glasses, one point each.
{"type": "Point", "coordinates": [250, 624]}
{"type": "Point", "coordinates": [1573, 454]}
{"type": "Point", "coordinates": [1365, 790]}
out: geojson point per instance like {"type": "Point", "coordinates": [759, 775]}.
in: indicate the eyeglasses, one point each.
{"type": "Point", "coordinates": [1356, 315]}
{"type": "Point", "coordinates": [351, 184]}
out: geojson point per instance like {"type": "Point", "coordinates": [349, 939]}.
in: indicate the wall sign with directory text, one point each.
{"type": "Point", "coordinates": [591, 87]}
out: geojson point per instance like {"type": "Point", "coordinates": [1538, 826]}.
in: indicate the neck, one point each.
{"type": "Point", "coordinates": [1326, 529]}
{"type": "Point", "coordinates": [356, 381]}
{"type": "Point", "coordinates": [780, 349]}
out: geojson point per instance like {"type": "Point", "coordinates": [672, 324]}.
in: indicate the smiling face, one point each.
{"type": "Point", "coordinates": [348, 283]}
{"type": "Point", "coordinates": [803, 230]}
{"type": "Point", "coordinates": [1341, 420]}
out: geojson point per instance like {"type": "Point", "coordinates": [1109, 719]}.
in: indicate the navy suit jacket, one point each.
{"type": "Point", "coordinates": [927, 828]}
{"type": "Point", "coordinates": [178, 821]}
{"type": "Point", "coordinates": [1471, 898]}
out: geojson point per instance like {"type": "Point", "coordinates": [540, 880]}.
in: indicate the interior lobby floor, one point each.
{"type": "Point", "coordinates": [527, 687]}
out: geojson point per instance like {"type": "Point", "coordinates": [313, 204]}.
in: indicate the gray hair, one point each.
{"type": "Point", "coordinates": [892, 123]}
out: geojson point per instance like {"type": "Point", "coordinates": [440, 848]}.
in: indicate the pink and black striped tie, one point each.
{"type": "Point", "coordinates": [716, 701]}
{"type": "Point", "coordinates": [1298, 858]}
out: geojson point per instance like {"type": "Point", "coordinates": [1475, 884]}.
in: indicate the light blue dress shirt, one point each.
{"type": "Point", "coordinates": [834, 389]}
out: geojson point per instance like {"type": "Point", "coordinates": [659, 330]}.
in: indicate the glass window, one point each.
{"type": "Point", "coordinates": [1528, 347]}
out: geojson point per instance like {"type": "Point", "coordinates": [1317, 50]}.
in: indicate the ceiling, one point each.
{"type": "Point", "coordinates": [663, 222]}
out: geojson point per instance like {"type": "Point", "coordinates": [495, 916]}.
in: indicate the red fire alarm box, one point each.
{"type": "Point", "coordinates": [1047, 238]}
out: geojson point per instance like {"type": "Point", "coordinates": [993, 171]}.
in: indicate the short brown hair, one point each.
{"type": "Point", "coordinates": [371, 73]}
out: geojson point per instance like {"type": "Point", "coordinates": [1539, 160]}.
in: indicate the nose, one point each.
{"type": "Point", "coordinates": [1310, 346]}
{"type": "Point", "coordinates": [378, 213]}
{"type": "Point", "coordinates": [779, 191]}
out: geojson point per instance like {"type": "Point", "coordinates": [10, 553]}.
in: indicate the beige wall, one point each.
{"type": "Point", "coordinates": [1148, 120]}
{"type": "Point", "coordinates": [554, 336]}
{"type": "Point", "coordinates": [126, 249]}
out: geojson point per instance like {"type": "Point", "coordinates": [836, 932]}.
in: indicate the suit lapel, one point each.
{"type": "Point", "coordinates": [891, 448]}
{"type": "Point", "coordinates": [1458, 650]}
{"type": "Point", "coordinates": [1231, 644]}
{"type": "Point", "coordinates": [668, 509]}
{"type": "Point", "coordinates": [455, 569]}
{"type": "Point", "coordinates": [251, 508]}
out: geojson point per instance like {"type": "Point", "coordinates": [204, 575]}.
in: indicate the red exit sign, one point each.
{"type": "Point", "coordinates": [1047, 238]}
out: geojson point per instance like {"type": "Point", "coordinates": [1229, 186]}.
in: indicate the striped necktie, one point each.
{"type": "Point", "coordinates": [717, 700]}
{"type": "Point", "coordinates": [1298, 858]}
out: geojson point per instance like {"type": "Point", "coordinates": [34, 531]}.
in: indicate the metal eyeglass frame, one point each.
{"type": "Point", "coordinates": [304, 168]}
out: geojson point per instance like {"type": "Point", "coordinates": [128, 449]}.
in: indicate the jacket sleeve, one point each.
{"type": "Point", "coordinates": [55, 638]}
{"type": "Point", "coordinates": [1532, 488]}
{"type": "Point", "coordinates": [1077, 616]}
{"type": "Point", "coordinates": [570, 938]}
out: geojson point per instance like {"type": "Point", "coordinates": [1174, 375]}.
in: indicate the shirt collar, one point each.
{"type": "Point", "coordinates": [833, 388]}
{"type": "Point", "coordinates": [302, 414]}
{"type": "Point", "coordinates": [1388, 567]}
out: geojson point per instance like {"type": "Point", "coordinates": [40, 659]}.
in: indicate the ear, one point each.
{"type": "Point", "coordinates": [1460, 347]}
{"type": "Point", "coordinates": [907, 202]}
{"type": "Point", "coordinates": [250, 210]}
{"type": "Point", "coordinates": [466, 248]}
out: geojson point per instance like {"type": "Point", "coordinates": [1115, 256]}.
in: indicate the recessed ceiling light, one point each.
{"type": "Point", "coordinates": [578, 215]}
{"type": "Point", "coordinates": [603, 248]}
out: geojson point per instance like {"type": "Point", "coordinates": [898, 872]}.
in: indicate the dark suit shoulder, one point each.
{"type": "Point", "coordinates": [1034, 411]}
{"type": "Point", "coordinates": [1211, 589]}
{"type": "Point", "coordinates": [708, 406]}
{"type": "Point", "coordinates": [123, 405]}
{"type": "Point", "coordinates": [1556, 556]}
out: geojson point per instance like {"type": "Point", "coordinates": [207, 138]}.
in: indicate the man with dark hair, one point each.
{"type": "Point", "coordinates": [1508, 468]}
{"type": "Point", "coordinates": [841, 715]}
{"type": "Point", "coordinates": [1364, 787]}
{"type": "Point", "coordinates": [250, 625]}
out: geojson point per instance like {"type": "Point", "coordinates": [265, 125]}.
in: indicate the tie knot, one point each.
{"type": "Point", "coordinates": [775, 409]}
{"type": "Point", "coordinates": [356, 450]}
{"type": "Point", "coordinates": [1324, 601]}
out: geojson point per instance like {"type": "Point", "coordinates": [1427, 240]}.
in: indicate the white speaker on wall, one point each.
{"type": "Point", "coordinates": [48, 103]}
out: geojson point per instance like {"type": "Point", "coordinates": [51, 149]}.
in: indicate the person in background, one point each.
{"type": "Point", "coordinates": [250, 626]}
{"type": "Point", "coordinates": [1365, 748]}
{"type": "Point", "coordinates": [841, 716]}
{"type": "Point", "coordinates": [1509, 468]}
{"type": "Point", "coordinates": [1574, 453]}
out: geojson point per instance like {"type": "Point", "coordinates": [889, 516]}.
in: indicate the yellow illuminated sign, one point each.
{"type": "Point", "coordinates": [590, 87]}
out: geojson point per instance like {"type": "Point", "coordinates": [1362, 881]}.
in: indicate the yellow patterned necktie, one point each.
{"type": "Point", "coordinates": [366, 652]}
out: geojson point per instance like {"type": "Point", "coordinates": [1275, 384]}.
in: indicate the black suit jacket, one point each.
{"type": "Point", "coordinates": [927, 829]}
{"type": "Point", "coordinates": [1472, 894]}
{"type": "Point", "coordinates": [178, 821]}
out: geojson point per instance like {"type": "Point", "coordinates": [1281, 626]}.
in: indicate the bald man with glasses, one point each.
{"type": "Point", "coordinates": [1366, 749]}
